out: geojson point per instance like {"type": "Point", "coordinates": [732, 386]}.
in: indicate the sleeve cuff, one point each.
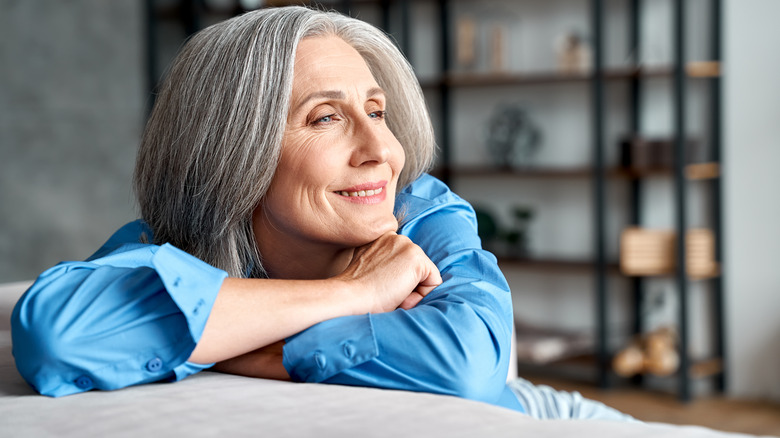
{"type": "Point", "coordinates": [189, 368]}
{"type": "Point", "coordinates": [183, 274]}
{"type": "Point", "coordinates": [332, 346]}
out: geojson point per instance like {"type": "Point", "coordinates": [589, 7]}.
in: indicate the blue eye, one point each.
{"type": "Point", "coordinates": [326, 119]}
{"type": "Point", "coordinates": [378, 115]}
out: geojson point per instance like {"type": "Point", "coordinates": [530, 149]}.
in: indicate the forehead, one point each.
{"type": "Point", "coordinates": [328, 59]}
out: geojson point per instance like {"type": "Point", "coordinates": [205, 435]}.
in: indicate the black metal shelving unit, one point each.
{"type": "Point", "coordinates": [600, 174]}
{"type": "Point", "coordinates": [687, 367]}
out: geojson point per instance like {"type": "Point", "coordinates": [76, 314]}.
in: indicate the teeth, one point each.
{"type": "Point", "coordinates": [361, 193]}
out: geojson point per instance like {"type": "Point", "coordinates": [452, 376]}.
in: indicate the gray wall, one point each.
{"type": "Point", "coordinates": [752, 181]}
{"type": "Point", "coordinates": [71, 112]}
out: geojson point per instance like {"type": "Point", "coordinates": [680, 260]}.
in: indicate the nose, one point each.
{"type": "Point", "coordinates": [371, 144]}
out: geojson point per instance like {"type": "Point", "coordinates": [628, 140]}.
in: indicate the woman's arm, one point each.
{"type": "Point", "coordinates": [136, 314]}
{"type": "Point", "coordinates": [456, 341]}
{"type": "Point", "coordinates": [251, 313]}
{"type": "Point", "coordinates": [128, 316]}
{"type": "Point", "coordinates": [265, 363]}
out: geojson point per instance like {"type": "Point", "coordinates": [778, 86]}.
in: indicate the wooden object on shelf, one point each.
{"type": "Point", "coordinates": [702, 171]}
{"type": "Point", "coordinates": [629, 361]}
{"type": "Point", "coordinates": [654, 353]}
{"type": "Point", "coordinates": [648, 252]}
{"type": "Point", "coordinates": [700, 249]}
{"type": "Point", "coordinates": [661, 356]}
{"type": "Point", "coordinates": [498, 48]}
{"type": "Point", "coordinates": [703, 69]}
{"type": "Point", "coordinates": [574, 54]}
{"type": "Point", "coordinates": [466, 42]}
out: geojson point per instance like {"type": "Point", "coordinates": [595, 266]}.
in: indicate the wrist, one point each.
{"type": "Point", "coordinates": [350, 299]}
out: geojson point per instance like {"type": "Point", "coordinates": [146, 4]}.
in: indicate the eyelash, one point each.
{"type": "Point", "coordinates": [380, 115]}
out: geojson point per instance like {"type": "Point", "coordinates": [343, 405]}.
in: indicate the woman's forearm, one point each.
{"type": "Point", "coordinates": [251, 313]}
{"type": "Point", "coordinates": [264, 363]}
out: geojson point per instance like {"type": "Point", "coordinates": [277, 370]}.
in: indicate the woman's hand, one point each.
{"type": "Point", "coordinates": [391, 272]}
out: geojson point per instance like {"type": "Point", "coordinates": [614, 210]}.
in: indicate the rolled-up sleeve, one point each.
{"type": "Point", "coordinates": [130, 317]}
{"type": "Point", "coordinates": [456, 341]}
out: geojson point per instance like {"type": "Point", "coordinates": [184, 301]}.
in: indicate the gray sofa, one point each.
{"type": "Point", "coordinates": [212, 404]}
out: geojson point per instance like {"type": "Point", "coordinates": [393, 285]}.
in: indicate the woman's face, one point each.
{"type": "Point", "coordinates": [336, 181]}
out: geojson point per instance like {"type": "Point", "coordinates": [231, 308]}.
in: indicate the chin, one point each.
{"type": "Point", "coordinates": [364, 238]}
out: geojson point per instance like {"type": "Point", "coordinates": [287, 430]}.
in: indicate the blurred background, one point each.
{"type": "Point", "coordinates": [587, 134]}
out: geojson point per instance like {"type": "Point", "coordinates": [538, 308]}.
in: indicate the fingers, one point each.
{"type": "Point", "coordinates": [431, 280]}
{"type": "Point", "coordinates": [394, 272]}
{"type": "Point", "coordinates": [412, 300]}
{"type": "Point", "coordinates": [428, 284]}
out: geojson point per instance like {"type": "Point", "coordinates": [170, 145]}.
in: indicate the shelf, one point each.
{"type": "Point", "coordinates": [694, 172]}
{"type": "Point", "coordinates": [576, 368]}
{"type": "Point", "coordinates": [698, 369]}
{"type": "Point", "coordinates": [175, 10]}
{"type": "Point", "coordinates": [540, 345]}
{"type": "Point", "coordinates": [581, 265]}
{"type": "Point", "coordinates": [552, 264]}
{"type": "Point", "coordinates": [519, 172]}
{"type": "Point", "coordinates": [715, 273]}
{"type": "Point", "coordinates": [701, 369]}
{"type": "Point", "coordinates": [698, 69]}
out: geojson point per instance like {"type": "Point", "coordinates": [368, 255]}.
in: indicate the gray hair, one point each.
{"type": "Point", "coordinates": [213, 141]}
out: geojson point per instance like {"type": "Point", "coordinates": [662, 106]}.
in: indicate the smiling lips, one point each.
{"type": "Point", "coordinates": [370, 193]}
{"type": "Point", "coordinates": [361, 193]}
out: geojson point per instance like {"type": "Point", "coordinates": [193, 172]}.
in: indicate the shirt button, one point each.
{"type": "Point", "coordinates": [320, 359]}
{"type": "Point", "coordinates": [154, 365]}
{"type": "Point", "coordinates": [200, 304]}
{"type": "Point", "coordinates": [84, 382]}
{"type": "Point", "coordinates": [349, 349]}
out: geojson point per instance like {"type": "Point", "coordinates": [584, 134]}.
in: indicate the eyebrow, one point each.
{"type": "Point", "coordinates": [337, 95]}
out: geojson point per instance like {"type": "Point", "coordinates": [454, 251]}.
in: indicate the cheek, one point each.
{"type": "Point", "coordinates": [310, 157]}
{"type": "Point", "coordinates": [300, 187]}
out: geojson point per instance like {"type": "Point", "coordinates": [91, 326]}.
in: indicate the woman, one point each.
{"type": "Point", "coordinates": [282, 149]}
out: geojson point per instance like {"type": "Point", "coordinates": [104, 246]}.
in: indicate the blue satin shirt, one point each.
{"type": "Point", "coordinates": [132, 313]}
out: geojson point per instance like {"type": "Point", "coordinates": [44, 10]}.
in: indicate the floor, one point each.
{"type": "Point", "coordinates": [751, 417]}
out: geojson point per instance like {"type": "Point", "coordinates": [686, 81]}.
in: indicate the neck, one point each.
{"type": "Point", "coordinates": [306, 263]}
